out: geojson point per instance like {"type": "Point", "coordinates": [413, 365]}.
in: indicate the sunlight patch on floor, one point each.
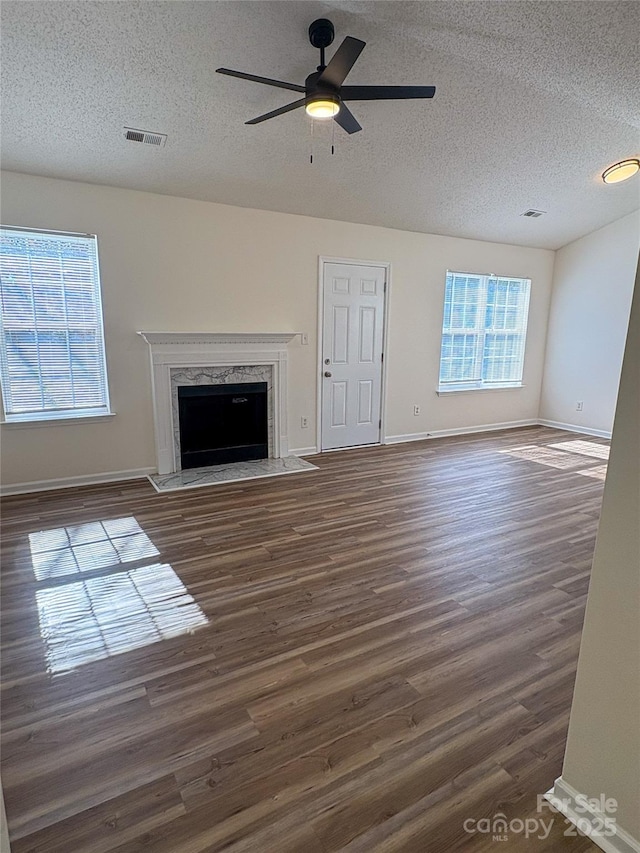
{"type": "Point", "coordinates": [85, 547]}
{"type": "Point", "coordinates": [598, 473]}
{"type": "Point", "coordinates": [585, 448]}
{"type": "Point", "coordinates": [546, 456]}
{"type": "Point", "coordinates": [577, 455]}
{"type": "Point", "coordinates": [115, 609]}
{"type": "Point", "coordinates": [99, 617]}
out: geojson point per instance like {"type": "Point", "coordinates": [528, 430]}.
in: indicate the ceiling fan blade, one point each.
{"type": "Point", "coordinates": [278, 112]}
{"type": "Point", "coordinates": [342, 62]}
{"type": "Point", "coordinates": [384, 93]}
{"type": "Point", "coordinates": [347, 120]}
{"type": "Point", "coordinates": [266, 80]}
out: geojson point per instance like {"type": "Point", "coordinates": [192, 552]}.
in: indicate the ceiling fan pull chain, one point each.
{"type": "Point", "coordinates": [311, 142]}
{"type": "Point", "coordinates": [333, 138]}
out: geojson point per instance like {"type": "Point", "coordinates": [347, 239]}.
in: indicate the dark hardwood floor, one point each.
{"type": "Point", "coordinates": [359, 658]}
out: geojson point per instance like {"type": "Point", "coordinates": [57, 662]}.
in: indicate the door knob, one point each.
{"type": "Point", "coordinates": [327, 374]}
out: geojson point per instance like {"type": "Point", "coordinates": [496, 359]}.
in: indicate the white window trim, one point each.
{"type": "Point", "coordinates": [465, 387]}
{"type": "Point", "coordinates": [443, 390]}
{"type": "Point", "coordinates": [82, 417]}
{"type": "Point", "coordinates": [49, 418]}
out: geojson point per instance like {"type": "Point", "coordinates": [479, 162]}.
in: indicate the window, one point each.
{"type": "Point", "coordinates": [483, 331]}
{"type": "Point", "coordinates": [52, 361]}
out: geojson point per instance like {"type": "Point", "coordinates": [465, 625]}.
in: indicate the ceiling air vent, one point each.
{"type": "Point", "coordinates": [134, 135]}
{"type": "Point", "coordinates": [533, 214]}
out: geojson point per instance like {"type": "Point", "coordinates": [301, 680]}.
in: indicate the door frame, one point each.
{"type": "Point", "coordinates": [386, 265]}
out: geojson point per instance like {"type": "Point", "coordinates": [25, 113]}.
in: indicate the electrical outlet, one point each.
{"type": "Point", "coordinates": [579, 405]}
{"type": "Point", "coordinates": [304, 339]}
{"type": "Point", "coordinates": [416, 410]}
{"type": "Point", "coordinates": [304, 423]}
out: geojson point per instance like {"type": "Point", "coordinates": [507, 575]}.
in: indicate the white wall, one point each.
{"type": "Point", "coordinates": [171, 264]}
{"type": "Point", "coordinates": [5, 846]}
{"type": "Point", "coordinates": [592, 287]}
{"type": "Point", "coordinates": [603, 745]}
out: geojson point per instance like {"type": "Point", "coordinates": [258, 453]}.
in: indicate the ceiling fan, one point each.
{"type": "Point", "coordinates": [324, 94]}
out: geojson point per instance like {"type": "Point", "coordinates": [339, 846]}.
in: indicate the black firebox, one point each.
{"type": "Point", "coordinates": [222, 423]}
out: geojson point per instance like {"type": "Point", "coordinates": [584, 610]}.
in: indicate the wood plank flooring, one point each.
{"type": "Point", "coordinates": [360, 658]}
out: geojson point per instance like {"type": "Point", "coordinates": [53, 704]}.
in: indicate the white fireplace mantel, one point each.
{"type": "Point", "coordinates": [174, 350]}
{"type": "Point", "coordinates": [188, 338]}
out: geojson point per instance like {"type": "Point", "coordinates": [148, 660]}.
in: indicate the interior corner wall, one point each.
{"type": "Point", "coordinates": [5, 846]}
{"type": "Point", "coordinates": [592, 287]}
{"type": "Point", "coordinates": [174, 264]}
{"type": "Point", "coordinates": [603, 744]}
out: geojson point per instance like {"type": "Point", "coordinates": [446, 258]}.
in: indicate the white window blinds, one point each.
{"type": "Point", "coordinates": [52, 360]}
{"type": "Point", "coordinates": [484, 331]}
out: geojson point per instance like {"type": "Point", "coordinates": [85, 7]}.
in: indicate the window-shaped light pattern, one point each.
{"type": "Point", "coordinates": [102, 591]}
{"type": "Point", "coordinates": [484, 330]}
{"type": "Point", "coordinates": [86, 547]}
{"type": "Point", "coordinates": [587, 458]}
{"type": "Point", "coordinates": [52, 358]}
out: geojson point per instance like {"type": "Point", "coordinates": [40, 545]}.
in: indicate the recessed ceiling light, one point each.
{"type": "Point", "coordinates": [621, 171]}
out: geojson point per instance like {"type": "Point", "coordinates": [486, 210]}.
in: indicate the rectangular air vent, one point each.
{"type": "Point", "coordinates": [533, 213]}
{"type": "Point", "coordinates": [135, 135]}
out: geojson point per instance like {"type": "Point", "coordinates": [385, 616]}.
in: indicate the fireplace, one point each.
{"type": "Point", "coordinates": [200, 359]}
{"type": "Point", "coordinates": [222, 423]}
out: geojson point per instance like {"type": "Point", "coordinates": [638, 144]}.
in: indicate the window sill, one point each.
{"type": "Point", "coordinates": [49, 422]}
{"type": "Point", "coordinates": [444, 392]}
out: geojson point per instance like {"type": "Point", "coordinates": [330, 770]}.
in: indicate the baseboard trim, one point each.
{"type": "Point", "coordinates": [304, 451]}
{"type": "Point", "coordinates": [601, 433]}
{"type": "Point", "coordinates": [71, 482]}
{"type": "Point", "coordinates": [401, 439]}
{"type": "Point", "coordinates": [139, 473]}
{"type": "Point", "coordinates": [443, 433]}
{"type": "Point", "coordinates": [583, 815]}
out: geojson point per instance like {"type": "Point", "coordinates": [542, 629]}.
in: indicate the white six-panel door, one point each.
{"type": "Point", "coordinates": [353, 326]}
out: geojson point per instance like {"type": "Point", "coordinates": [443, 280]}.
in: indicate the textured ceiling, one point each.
{"type": "Point", "coordinates": [533, 101]}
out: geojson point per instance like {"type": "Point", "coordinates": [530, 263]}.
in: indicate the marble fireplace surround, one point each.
{"type": "Point", "coordinates": [207, 358]}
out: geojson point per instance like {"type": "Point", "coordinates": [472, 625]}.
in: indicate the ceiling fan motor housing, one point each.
{"type": "Point", "coordinates": [321, 33]}
{"type": "Point", "coordinates": [322, 92]}
{"type": "Point", "coordinates": [313, 88]}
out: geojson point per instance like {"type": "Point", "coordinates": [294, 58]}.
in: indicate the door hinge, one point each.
{"type": "Point", "coordinates": [381, 357]}
{"type": "Point", "coordinates": [380, 424]}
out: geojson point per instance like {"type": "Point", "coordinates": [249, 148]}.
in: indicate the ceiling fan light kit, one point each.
{"type": "Point", "coordinates": [322, 107]}
{"type": "Point", "coordinates": [323, 91]}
